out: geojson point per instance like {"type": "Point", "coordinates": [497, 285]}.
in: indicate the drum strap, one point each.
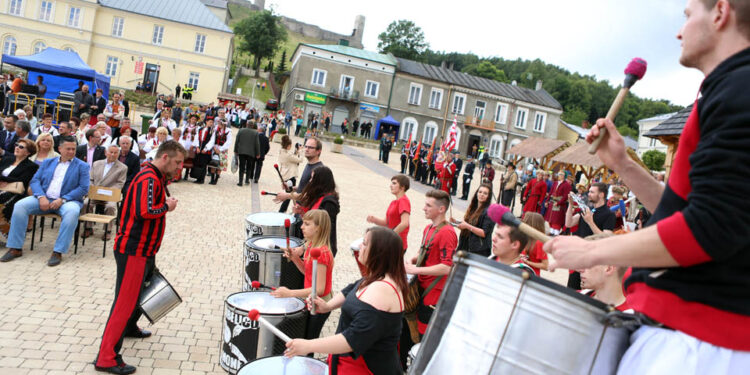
{"type": "Point", "coordinates": [423, 254]}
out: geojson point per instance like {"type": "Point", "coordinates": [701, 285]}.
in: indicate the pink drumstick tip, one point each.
{"type": "Point", "coordinates": [276, 166]}
{"type": "Point", "coordinates": [263, 192]}
{"type": "Point", "coordinates": [637, 67]}
{"type": "Point", "coordinates": [253, 314]}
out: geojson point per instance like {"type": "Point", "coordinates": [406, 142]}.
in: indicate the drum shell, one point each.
{"type": "Point", "coordinates": [267, 265]}
{"type": "Point", "coordinates": [158, 298]}
{"type": "Point", "coordinates": [267, 224]}
{"type": "Point", "coordinates": [500, 324]}
{"type": "Point", "coordinates": [287, 366]}
{"type": "Point", "coordinates": [256, 341]}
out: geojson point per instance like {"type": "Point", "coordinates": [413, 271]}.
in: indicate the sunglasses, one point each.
{"type": "Point", "coordinates": [20, 146]}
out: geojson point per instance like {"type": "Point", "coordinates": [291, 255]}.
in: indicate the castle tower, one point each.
{"type": "Point", "coordinates": [359, 30]}
{"type": "Point", "coordinates": [261, 4]}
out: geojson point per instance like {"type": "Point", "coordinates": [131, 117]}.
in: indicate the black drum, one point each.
{"type": "Point", "coordinates": [286, 366]}
{"type": "Point", "coordinates": [501, 320]}
{"type": "Point", "coordinates": [244, 340]}
{"type": "Point", "coordinates": [264, 262]}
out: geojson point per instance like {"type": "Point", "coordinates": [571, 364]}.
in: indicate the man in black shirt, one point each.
{"type": "Point", "coordinates": [467, 177]}
{"type": "Point", "coordinates": [595, 221]}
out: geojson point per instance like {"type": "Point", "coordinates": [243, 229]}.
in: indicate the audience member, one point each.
{"type": "Point", "coordinates": [90, 151]}
{"type": "Point", "coordinates": [16, 172]}
{"type": "Point", "coordinates": [109, 173]}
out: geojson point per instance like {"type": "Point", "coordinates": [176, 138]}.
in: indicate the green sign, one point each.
{"type": "Point", "coordinates": [315, 98]}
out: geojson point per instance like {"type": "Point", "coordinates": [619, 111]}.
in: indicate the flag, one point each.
{"type": "Point", "coordinates": [408, 144]}
{"type": "Point", "coordinates": [450, 141]}
{"type": "Point", "coordinates": [432, 150]}
{"type": "Point", "coordinates": [419, 147]}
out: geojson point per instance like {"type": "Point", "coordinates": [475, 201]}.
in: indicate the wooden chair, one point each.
{"type": "Point", "coordinates": [102, 194]}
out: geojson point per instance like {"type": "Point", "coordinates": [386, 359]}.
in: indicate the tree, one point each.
{"type": "Point", "coordinates": [261, 34]}
{"type": "Point", "coordinates": [485, 69]}
{"type": "Point", "coordinates": [654, 160]}
{"type": "Point", "coordinates": [403, 39]}
{"type": "Point", "coordinates": [281, 68]}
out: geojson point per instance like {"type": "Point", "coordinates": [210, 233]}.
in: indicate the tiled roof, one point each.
{"type": "Point", "coordinates": [672, 125]}
{"type": "Point", "coordinates": [539, 97]}
{"type": "Point", "coordinates": [661, 117]}
{"type": "Point", "coordinates": [191, 12]}
{"type": "Point", "coordinates": [356, 52]}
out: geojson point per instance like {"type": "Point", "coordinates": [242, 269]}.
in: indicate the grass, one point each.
{"type": "Point", "coordinates": [246, 83]}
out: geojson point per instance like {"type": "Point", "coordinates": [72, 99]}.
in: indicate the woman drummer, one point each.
{"type": "Point", "coordinates": [476, 229]}
{"type": "Point", "coordinates": [371, 312]}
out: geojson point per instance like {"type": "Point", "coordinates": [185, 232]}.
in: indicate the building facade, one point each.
{"type": "Point", "coordinates": [649, 143]}
{"type": "Point", "coordinates": [168, 42]}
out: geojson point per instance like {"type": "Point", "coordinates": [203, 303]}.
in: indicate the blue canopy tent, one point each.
{"type": "Point", "coordinates": [61, 71]}
{"type": "Point", "coordinates": [388, 120]}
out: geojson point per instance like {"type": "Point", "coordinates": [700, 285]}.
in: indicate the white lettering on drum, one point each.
{"type": "Point", "coordinates": [240, 319]}
{"type": "Point", "coordinates": [231, 362]}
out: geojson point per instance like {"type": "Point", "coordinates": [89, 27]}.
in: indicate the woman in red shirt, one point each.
{"type": "Point", "coordinates": [534, 255]}
{"type": "Point", "coordinates": [316, 226]}
{"type": "Point", "coordinates": [397, 215]}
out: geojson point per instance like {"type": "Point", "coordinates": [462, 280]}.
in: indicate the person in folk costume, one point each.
{"type": "Point", "coordinates": [152, 145]}
{"type": "Point", "coordinates": [204, 144]}
{"type": "Point", "coordinates": [558, 202]}
{"type": "Point", "coordinates": [552, 183]}
{"type": "Point", "coordinates": [535, 194]}
{"type": "Point", "coordinates": [222, 141]}
{"type": "Point", "coordinates": [446, 169]}
{"type": "Point", "coordinates": [187, 140]}
{"type": "Point", "coordinates": [412, 153]}
{"type": "Point", "coordinates": [404, 156]}
{"type": "Point", "coordinates": [114, 111]}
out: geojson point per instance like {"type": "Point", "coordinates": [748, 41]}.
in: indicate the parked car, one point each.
{"type": "Point", "coordinates": [272, 105]}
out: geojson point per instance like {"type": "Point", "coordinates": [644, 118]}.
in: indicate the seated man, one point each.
{"type": "Point", "coordinates": [109, 173]}
{"type": "Point", "coordinates": [507, 243]}
{"type": "Point", "coordinates": [604, 283]}
{"type": "Point", "coordinates": [91, 151]}
{"type": "Point", "coordinates": [57, 187]}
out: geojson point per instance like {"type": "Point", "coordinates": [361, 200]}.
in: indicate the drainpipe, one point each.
{"type": "Point", "coordinates": [390, 93]}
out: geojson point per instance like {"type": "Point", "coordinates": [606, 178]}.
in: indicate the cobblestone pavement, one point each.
{"type": "Point", "coordinates": [51, 319]}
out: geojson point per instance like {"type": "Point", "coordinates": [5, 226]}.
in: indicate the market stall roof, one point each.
{"type": "Point", "coordinates": [578, 154]}
{"type": "Point", "coordinates": [672, 125]}
{"type": "Point", "coordinates": [537, 148]}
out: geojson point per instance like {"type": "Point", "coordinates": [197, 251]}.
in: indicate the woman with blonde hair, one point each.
{"type": "Point", "coordinates": [45, 149]}
{"type": "Point", "coordinates": [152, 145]}
{"type": "Point", "coordinates": [83, 127]}
{"type": "Point", "coordinates": [534, 255]}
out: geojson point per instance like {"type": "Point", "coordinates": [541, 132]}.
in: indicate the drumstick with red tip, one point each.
{"type": "Point", "coordinates": [263, 192]}
{"type": "Point", "coordinates": [254, 315]}
{"type": "Point", "coordinates": [635, 70]}
{"type": "Point", "coordinates": [502, 215]}
{"type": "Point", "coordinates": [287, 225]}
{"type": "Point", "coordinates": [278, 171]}
{"type": "Point", "coordinates": [258, 285]}
{"type": "Point", "coordinates": [314, 254]}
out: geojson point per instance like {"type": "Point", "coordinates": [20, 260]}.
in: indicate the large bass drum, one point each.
{"type": "Point", "coordinates": [267, 224]}
{"type": "Point", "coordinates": [285, 366]}
{"type": "Point", "coordinates": [244, 340]}
{"type": "Point", "coordinates": [264, 262]}
{"type": "Point", "coordinates": [501, 320]}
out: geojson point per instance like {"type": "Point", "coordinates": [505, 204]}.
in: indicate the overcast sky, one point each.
{"type": "Point", "coordinates": [597, 37]}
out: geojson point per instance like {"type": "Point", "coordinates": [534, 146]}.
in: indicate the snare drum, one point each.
{"type": "Point", "coordinates": [264, 262]}
{"type": "Point", "coordinates": [158, 298]}
{"type": "Point", "coordinates": [283, 365]}
{"type": "Point", "coordinates": [267, 224]}
{"type": "Point", "coordinates": [245, 340]}
{"type": "Point", "coordinates": [500, 321]}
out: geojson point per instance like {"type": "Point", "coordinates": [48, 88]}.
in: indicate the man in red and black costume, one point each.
{"type": "Point", "coordinates": [690, 282]}
{"type": "Point", "coordinates": [142, 223]}
{"type": "Point", "coordinates": [445, 171]}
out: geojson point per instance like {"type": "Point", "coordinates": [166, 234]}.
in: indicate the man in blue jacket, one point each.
{"type": "Point", "coordinates": [57, 187]}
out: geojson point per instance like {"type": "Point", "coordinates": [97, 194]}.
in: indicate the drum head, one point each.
{"type": "Point", "coordinates": [271, 219]}
{"type": "Point", "coordinates": [265, 303]}
{"type": "Point", "coordinates": [271, 243]}
{"type": "Point", "coordinates": [283, 365]}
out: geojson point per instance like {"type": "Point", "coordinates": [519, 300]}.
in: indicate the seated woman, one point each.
{"type": "Point", "coordinates": [44, 149]}
{"type": "Point", "coordinates": [476, 229]}
{"type": "Point", "coordinates": [152, 145]}
{"type": "Point", "coordinates": [369, 328]}
{"type": "Point", "coordinates": [15, 168]}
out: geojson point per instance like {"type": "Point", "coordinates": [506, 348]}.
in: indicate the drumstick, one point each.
{"type": "Point", "coordinates": [254, 315]}
{"type": "Point", "coordinates": [287, 225]}
{"type": "Point", "coordinates": [278, 171]}
{"type": "Point", "coordinates": [502, 215]}
{"type": "Point", "coordinates": [314, 254]}
{"type": "Point", "coordinates": [635, 70]}
{"type": "Point", "coordinates": [258, 285]}
{"type": "Point", "coordinates": [263, 192]}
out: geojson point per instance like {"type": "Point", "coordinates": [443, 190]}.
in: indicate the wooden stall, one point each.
{"type": "Point", "coordinates": [540, 149]}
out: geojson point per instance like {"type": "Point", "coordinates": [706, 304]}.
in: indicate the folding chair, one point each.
{"type": "Point", "coordinates": [100, 194]}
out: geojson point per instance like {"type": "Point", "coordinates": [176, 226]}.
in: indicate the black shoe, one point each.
{"type": "Point", "coordinates": [122, 369]}
{"type": "Point", "coordinates": [239, 184]}
{"type": "Point", "coordinates": [138, 333]}
{"type": "Point", "coordinates": [255, 181]}
{"type": "Point", "coordinates": [10, 255]}
{"type": "Point", "coordinates": [198, 181]}
{"type": "Point", "coordinates": [54, 259]}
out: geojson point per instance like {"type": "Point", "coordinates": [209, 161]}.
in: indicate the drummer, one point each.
{"type": "Point", "coordinates": [371, 312]}
{"type": "Point", "coordinates": [690, 279]}
{"type": "Point", "coordinates": [507, 245]}
{"type": "Point", "coordinates": [142, 223]}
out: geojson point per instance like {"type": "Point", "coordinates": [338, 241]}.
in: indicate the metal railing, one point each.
{"type": "Point", "coordinates": [61, 110]}
{"type": "Point", "coordinates": [344, 95]}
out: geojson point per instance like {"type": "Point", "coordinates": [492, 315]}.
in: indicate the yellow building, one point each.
{"type": "Point", "coordinates": [166, 42]}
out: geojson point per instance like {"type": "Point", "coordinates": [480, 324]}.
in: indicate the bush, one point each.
{"type": "Point", "coordinates": [338, 140]}
{"type": "Point", "coordinates": [654, 160]}
{"type": "Point", "coordinates": [282, 131]}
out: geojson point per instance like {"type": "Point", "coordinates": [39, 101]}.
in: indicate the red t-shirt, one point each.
{"type": "Point", "coordinates": [440, 252]}
{"type": "Point", "coordinates": [393, 215]}
{"type": "Point", "coordinates": [537, 255]}
{"type": "Point", "coordinates": [325, 259]}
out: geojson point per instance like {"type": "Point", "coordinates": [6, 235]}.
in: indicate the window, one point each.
{"type": "Point", "coordinates": [459, 101]}
{"type": "Point", "coordinates": [479, 109]}
{"type": "Point", "coordinates": [409, 127]}
{"type": "Point", "coordinates": [496, 146]}
{"type": "Point", "coordinates": [501, 114]}
{"type": "Point", "coordinates": [45, 11]}
{"type": "Point", "coordinates": [652, 142]}
{"type": "Point", "coordinates": [193, 80]}
{"type": "Point", "coordinates": [521, 114]}
{"type": "Point", "coordinates": [117, 24]}
{"type": "Point", "coordinates": [430, 130]}
{"type": "Point", "coordinates": [200, 43]}
{"type": "Point", "coordinates": [347, 85]}
{"type": "Point", "coordinates": [539, 121]}
{"type": "Point", "coordinates": [74, 17]}
{"type": "Point", "coordinates": [158, 35]}
{"type": "Point", "coordinates": [372, 88]}
{"type": "Point", "coordinates": [415, 94]}
{"type": "Point", "coordinates": [9, 45]}
{"type": "Point", "coordinates": [39, 47]}
{"type": "Point", "coordinates": [436, 98]}
{"type": "Point", "coordinates": [111, 69]}
{"type": "Point", "coordinates": [319, 77]}
{"type": "Point", "coordinates": [14, 7]}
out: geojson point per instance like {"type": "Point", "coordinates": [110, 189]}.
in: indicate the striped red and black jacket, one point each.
{"type": "Point", "coordinates": [703, 219]}
{"type": "Point", "coordinates": [143, 214]}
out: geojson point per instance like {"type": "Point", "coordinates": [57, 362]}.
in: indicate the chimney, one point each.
{"type": "Point", "coordinates": [538, 85]}
{"type": "Point", "coordinates": [443, 64]}
{"type": "Point", "coordinates": [514, 83]}
{"type": "Point", "coordinates": [450, 66]}
{"type": "Point", "coordinates": [585, 124]}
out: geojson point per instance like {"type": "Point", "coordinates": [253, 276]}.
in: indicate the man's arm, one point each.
{"type": "Point", "coordinates": [36, 183]}
{"type": "Point", "coordinates": [82, 189]}
{"type": "Point", "coordinates": [570, 219]}
{"type": "Point", "coordinates": [122, 174]}
{"type": "Point", "coordinates": [146, 208]}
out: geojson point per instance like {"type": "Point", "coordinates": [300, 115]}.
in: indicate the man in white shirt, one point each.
{"type": "Point", "coordinates": [57, 187]}
{"type": "Point", "coordinates": [110, 173]}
